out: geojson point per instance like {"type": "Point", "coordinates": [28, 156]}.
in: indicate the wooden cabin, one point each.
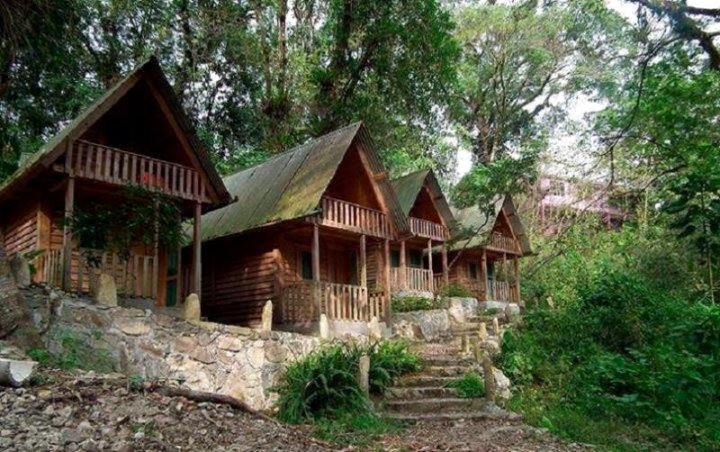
{"type": "Point", "coordinates": [485, 262]}
{"type": "Point", "coordinates": [136, 134]}
{"type": "Point", "coordinates": [412, 266]}
{"type": "Point", "coordinates": [311, 231]}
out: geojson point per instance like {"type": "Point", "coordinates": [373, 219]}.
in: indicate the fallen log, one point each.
{"type": "Point", "coordinates": [14, 372]}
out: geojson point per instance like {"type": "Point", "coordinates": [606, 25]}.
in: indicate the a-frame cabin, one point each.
{"type": "Point", "coordinates": [311, 231]}
{"type": "Point", "coordinates": [136, 134]}
{"type": "Point", "coordinates": [485, 258]}
{"type": "Point", "coordinates": [431, 220]}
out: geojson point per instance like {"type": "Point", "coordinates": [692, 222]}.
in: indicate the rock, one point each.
{"type": "Point", "coordinates": [191, 307]}
{"type": "Point", "coordinates": [496, 326]}
{"type": "Point", "coordinates": [324, 327]}
{"type": "Point", "coordinates": [15, 373]}
{"type": "Point", "coordinates": [502, 384]}
{"type": "Point", "coordinates": [105, 291]}
{"type": "Point", "coordinates": [20, 271]}
{"type": "Point", "coordinates": [267, 316]}
{"type": "Point", "coordinates": [482, 333]}
{"type": "Point", "coordinates": [428, 325]}
{"type": "Point", "coordinates": [490, 385]}
{"type": "Point", "coordinates": [374, 329]}
{"type": "Point", "coordinates": [132, 327]}
{"type": "Point", "coordinates": [363, 375]}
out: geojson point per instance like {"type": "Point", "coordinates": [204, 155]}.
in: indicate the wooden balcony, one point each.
{"type": "Point", "coordinates": [415, 279]}
{"type": "Point", "coordinates": [114, 166]}
{"type": "Point", "coordinates": [354, 217]}
{"type": "Point", "coordinates": [500, 242]}
{"type": "Point", "coordinates": [428, 229]}
{"type": "Point", "coordinates": [305, 301]}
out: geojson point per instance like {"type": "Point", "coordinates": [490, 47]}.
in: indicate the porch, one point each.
{"type": "Point", "coordinates": [304, 301]}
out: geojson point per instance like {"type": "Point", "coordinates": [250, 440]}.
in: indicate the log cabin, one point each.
{"type": "Point", "coordinates": [413, 269]}
{"type": "Point", "coordinates": [135, 135]}
{"type": "Point", "coordinates": [484, 259]}
{"type": "Point", "coordinates": [311, 231]}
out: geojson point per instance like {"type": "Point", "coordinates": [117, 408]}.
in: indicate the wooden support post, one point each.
{"type": "Point", "coordinates": [197, 252]}
{"type": "Point", "coordinates": [179, 279]}
{"type": "Point", "coordinates": [388, 308]}
{"type": "Point", "coordinates": [446, 272]}
{"type": "Point", "coordinates": [316, 270]}
{"type": "Point", "coordinates": [363, 261]}
{"type": "Point", "coordinates": [403, 266]}
{"type": "Point", "coordinates": [517, 281]}
{"type": "Point", "coordinates": [485, 275]}
{"type": "Point", "coordinates": [156, 254]}
{"type": "Point", "coordinates": [430, 265]}
{"type": "Point", "coordinates": [67, 233]}
{"type": "Point", "coordinates": [505, 270]}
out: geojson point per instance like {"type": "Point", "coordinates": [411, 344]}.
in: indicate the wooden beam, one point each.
{"type": "Point", "coordinates": [197, 251]}
{"type": "Point", "coordinates": [517, 282]}
{"type": "Point", "coordinates": [388, 307]}
{"type": "Point", "coordinates": [485, 275]}
{"type": "Point", "coordinates": [67, 234]}
{"type": "Point", "coordinates": [403, 266]}
{"type": "Point", "coordinates": [363, 261]}
{"type": "Point", "coordinates": [315, 251]}
{"type": "Point", "coordinates": [430, 264]}
{"type": "Point", "coordinates": [446, 273]}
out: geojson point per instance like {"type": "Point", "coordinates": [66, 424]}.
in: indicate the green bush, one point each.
{"type": "Point", "coordinates": [469, 386]}
{"type": "Point", "coordinates": [454, 290]}
{"type": "Point", "coordinates": [75, 352]}
{"type": "Point", "coordinates": [388, 360]}
{"type": "Point", "coordinates": [414, 303]}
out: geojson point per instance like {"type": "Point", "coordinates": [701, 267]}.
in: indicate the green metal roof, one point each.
{"type": "Point", "coordinates": [54, 147]}
{"type": "Point", "coordinates": [290, 185]}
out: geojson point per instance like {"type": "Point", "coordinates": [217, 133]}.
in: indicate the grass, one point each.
{"type": "Point", "coordinates": [74, 353]}
{"type": "Point", "coordinates": [352, 429]}
{"type": "Point", "coordinates": [469, 386]}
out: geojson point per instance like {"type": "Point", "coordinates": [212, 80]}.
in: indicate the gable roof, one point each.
{"type": "Point", "coordinates": [407, 188]}
{"type": "Point", "coordinates": [479, 224]}
{"type": "Point", "coordinates": [290, 185]}
{"type": "Point", "coordinates": [150, 71]}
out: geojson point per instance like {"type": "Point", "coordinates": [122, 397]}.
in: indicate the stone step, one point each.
{"type": "Point", "coordinates": [445, 371]}
{"type": "Point", "coordinates": [447, 360]}
{"type": "Point", "coordinates": [434, 405]}
{"type": "Point", "coordinates": [453, 416]}
{"type": "Point", "coordinates": [419, 393]}
{"type": "Point", "coordinates": [423, 381]}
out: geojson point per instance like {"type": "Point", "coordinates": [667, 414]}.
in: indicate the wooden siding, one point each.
{"type": "Point", "coordinates": [21, 234]}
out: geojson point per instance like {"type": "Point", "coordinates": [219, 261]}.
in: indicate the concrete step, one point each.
{"type": "Point", "coordinates": [415, 393]}
{"type": "Point", "coordinates": [434, 405]}
{"type": "Point", "coordinates": [423, 381]}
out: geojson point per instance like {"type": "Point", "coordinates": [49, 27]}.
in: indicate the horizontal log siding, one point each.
{"type": "Point", "coordinates": [236, 287]}
{"type": "Point", "coordinates": [21, 234]}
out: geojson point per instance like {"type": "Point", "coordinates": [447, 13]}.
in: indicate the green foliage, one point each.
{"type": "Point", "coordinates": [454, 290]}
{"type": "Point", "coordinates": [354, 429]}
{"type": "Point", "coordinates": [470, 386]}
{"type": "Point", "coordinates": [415, 303]}
{"type": "Point", "coordinates": [138, 219]}
{"type": "Point", "coordinates": [620, 352]}
{"type": "Point", "coordinates": [74, 352]}
{"type": "Point", "coordinates": [323, 385]}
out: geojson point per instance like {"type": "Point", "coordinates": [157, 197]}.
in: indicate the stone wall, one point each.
{"type": "Point", "coordinates": [433, 324]}
{"type": "Point", "coordinates": [203, 356]}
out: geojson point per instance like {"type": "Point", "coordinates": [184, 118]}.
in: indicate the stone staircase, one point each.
{"type": "Point", "coordinates": [425, 396]}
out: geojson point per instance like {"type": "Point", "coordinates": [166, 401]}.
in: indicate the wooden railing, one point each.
{"type": "Point", "coordinates": [427, 229]}
{"type": "Point", "coordinates": [502, 243]}
{"type": "Point", "coordinates": [304, 301]}
{"type": "Point", "coordinates": [415, 279]}
{"type": "Point", "coordinates": [115, 166]}
{"type": "Point", "coordinates": [500, 291]}
{"type": "Point", "coordinates": [354, 217]}
{"type": "Point", "coordinates": [135, 277]}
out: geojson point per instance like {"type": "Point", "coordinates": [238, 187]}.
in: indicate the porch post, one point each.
{"type": "Point", "coordinates": [363, 261]}
{"type": "Point", "coordinates": [430, 265]}
{"type": "Point", "coordinates": [403, 266]}
{"type": "Point", "coordinates": [197, 251]}
{"type": "Point", "coordinates": [446, 273]}
{"type": "Point", "coordinates": [67, 233]}
{"type": "Point", "coordinates": [388, 307]}
{"type": "Point", "coordinates": [316, 269]}
{"type": "Point", "coordinates": [517, 281]}
{"type": "Point", "coordinates": [485, 275]}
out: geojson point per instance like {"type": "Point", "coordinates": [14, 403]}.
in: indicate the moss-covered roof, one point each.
{"type": "Point", "coordinates": [407, 188]}
{"type": "Point", "coordinates": [290, 185]}
{"type": "Point", "coordinates": [54, 147]}
{"type": "Point", "coordinates": [476, 225]}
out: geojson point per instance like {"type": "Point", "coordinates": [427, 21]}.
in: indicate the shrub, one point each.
{"type": "Point", "coordinates": [469, 386]}
{"type": "Point", "coordinates": [388, 360]}
{"type": "Point", "coordinates": [74, 352]}
{"type": "Point", "coordinates": [414, 303]}
{"type": "Point", "coordinates": [454, 290]}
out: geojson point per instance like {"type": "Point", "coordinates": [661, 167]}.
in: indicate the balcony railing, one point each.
{"type": "Point", "coordinates": [354, 217]}
{"type": "Point", "coordinates": [415, 279]}
{"type": "Point", "coordinates": [427, 229]}
{"type": "Point", "coordinates": [304, 301]}
{"type": "Point", "coordinates": [502, 243]}
{"type": "Point", "coordinates": [501, 291]}
{"type": "Point", "coordinates": [115, 166]}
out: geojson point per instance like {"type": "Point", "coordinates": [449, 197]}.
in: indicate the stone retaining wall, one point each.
{"type": "Point", "coordinates": [203, 356]}
{"type": "Point", "coordinates": [433, 324]}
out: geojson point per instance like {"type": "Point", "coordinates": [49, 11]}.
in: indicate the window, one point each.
{"type": "Point", "coordinates": [306, 267]}
{"type": "Point", "coordinates": [416, 258]}
{"type": "Point", "coordinates": [472, 268]}
{"type": "Point", "coordinates": [394, 258]}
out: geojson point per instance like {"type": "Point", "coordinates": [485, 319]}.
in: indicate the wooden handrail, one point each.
{"type": "Point", "coordinates": [502, 242]}
{"type": "Point", "coordinates": [354, 217]}
{"type": "Point", "coordinates": [427, 229]}
{"type": "Point", "coordinates": [336, 301]}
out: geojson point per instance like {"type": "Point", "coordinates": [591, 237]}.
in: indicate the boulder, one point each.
{"type": "Point", "coordinates": [191, 308]}
{"type": "Point", "coordinates": [105, 291]}
{"type": "Point", "coordinates": [502, 384]}
{"type": "Point", "coordinates": [14, 372]}
{"type": "Point", "coordinates": [482, 333]}
{"type": "Point", "coordinates": [20, 271]}
{"type": "Point", "coordinates": [267, 316]}
{"type": "Point", "coordinates": [428, 325]}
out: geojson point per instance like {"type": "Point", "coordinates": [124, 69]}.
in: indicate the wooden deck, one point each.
{"type": "Point", "coordinates": [353, 217]}
{"type": "Point", "coordinates": [503, 243]}
{"type": "Point", "coordinates": [305, 301]}
{"type": "Point", "coordinates": [428, 229]}
{"type": "Point", "coordinates": [114, 166]}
